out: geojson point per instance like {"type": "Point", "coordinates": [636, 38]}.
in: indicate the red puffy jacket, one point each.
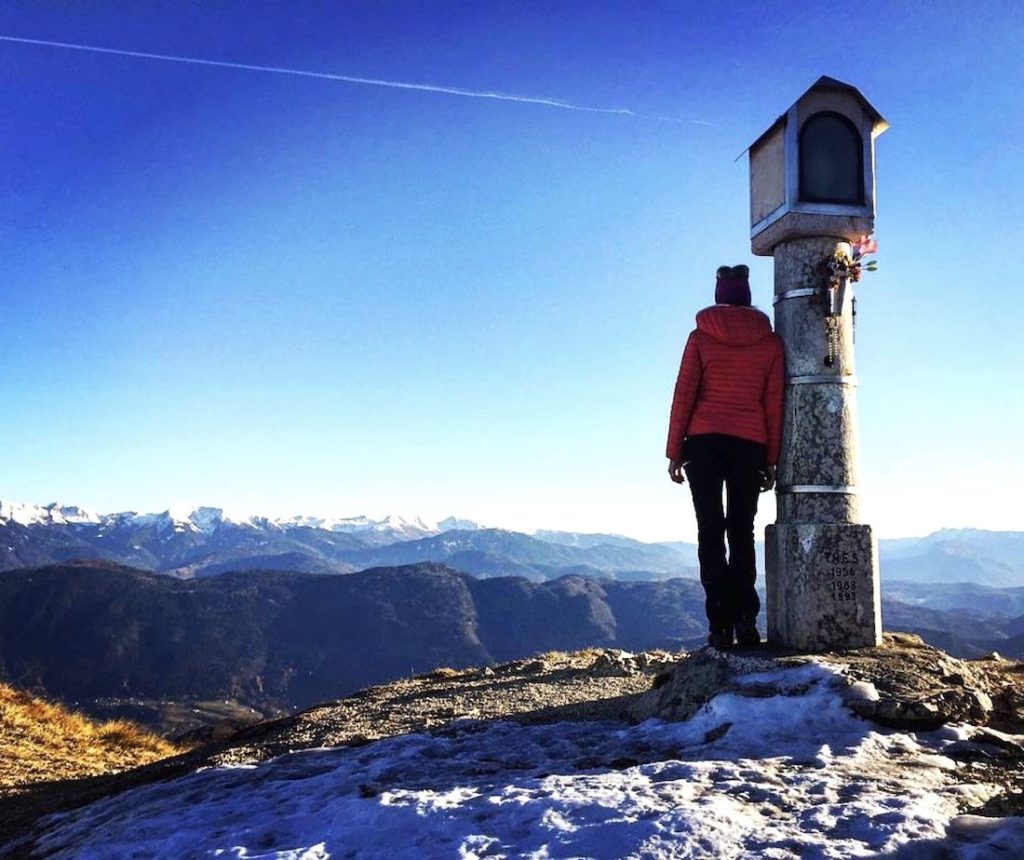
{"type": "Point", "coordinates": [730, 380]}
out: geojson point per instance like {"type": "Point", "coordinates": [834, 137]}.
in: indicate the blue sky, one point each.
{"type": "Point", "coordinates": [283, 294]}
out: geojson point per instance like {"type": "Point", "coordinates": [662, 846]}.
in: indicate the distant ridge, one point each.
{"type": "Point", "coordinates": [206, 541]}
{"type": "Point", "coordinates": [206, 519]}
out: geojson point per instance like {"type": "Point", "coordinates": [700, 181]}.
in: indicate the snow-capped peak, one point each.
{"type": "Point", "coordinates": [360, 524]}
{"type": "Point", "coordinates": [394, 524]}
{"type": "Point", "coordinates": [27, 514]}
{"type": "Point", "coordinates": [180, 518]}
{"type": "Point", "coordinates": [455, 524]}
{"type": "Point", "coordinates": [205, 519]}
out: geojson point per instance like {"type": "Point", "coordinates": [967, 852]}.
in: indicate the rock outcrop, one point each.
{"type": "Point", "coordinates": [902, 683]}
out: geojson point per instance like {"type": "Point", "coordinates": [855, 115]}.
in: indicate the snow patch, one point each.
{"type": "Point", "coordinates": [795, 774]}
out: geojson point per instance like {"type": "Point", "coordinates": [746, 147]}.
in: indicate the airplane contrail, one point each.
{"type": "Point", "coordinates": [373, 82]}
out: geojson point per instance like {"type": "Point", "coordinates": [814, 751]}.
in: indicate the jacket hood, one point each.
{"type": "Point", "coordinates": [734, 324]}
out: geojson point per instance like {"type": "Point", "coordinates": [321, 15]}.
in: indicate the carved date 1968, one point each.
{"type": "Point", "coordinates": [844, 569]}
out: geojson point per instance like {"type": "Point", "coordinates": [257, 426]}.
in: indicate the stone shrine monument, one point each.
{"type": "Point", "coordinates": [812, 194]}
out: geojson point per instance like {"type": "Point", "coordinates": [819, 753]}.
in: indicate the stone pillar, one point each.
{"type": "Point", "coordinates": [812, 187]}
{"type": "Point", "coordinates": [821, 563]}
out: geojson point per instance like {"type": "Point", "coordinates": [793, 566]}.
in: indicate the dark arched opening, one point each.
{"type": "Point", "coordinates": [831, 160]}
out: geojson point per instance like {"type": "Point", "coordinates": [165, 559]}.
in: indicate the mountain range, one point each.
{"type": "Point", "coordinates": [206, 541]}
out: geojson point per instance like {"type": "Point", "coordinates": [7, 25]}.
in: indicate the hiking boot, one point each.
{"type": "Point", "coordinates": [720, 637]}
{"type": "Point", "coordinates": [747, 635]}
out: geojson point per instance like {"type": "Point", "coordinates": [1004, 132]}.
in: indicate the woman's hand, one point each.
{"type": "Point", "coordinates": [675, 470]}
{"type": "Point", "coordinates": [767, 478]}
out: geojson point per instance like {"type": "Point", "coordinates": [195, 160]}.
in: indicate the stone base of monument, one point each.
{"type": "Point", "coordinates": [822, 586]}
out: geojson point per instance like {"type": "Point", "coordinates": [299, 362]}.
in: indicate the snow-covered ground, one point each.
{"type": "Point", "coordinates": [791, 775]}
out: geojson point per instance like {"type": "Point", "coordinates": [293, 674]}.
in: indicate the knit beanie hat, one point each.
{"type": "Point", "coordinates": [732, 285]}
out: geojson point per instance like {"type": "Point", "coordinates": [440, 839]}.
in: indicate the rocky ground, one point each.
{"type": "Point", "coordinates": [585, 685]}
{"type": "Point", "coordinates": [902, 683]}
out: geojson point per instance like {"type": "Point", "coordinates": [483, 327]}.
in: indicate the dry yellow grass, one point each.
{"type": "Point", "coordinates": [40, 741]}
{"type": "Point", "coordinates": [581, 656]}
{"type": "Point", "coordinates": [445, 672]}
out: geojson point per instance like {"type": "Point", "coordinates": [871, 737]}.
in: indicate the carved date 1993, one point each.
{"type": "Point", "coordinates": [843, 567]}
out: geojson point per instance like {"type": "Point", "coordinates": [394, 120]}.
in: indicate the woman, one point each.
{"type": "Point", "coordinates": [725, 430]}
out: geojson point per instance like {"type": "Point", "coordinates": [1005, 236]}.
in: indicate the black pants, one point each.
{"type": "Point", "coordinates": [713, 461]}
